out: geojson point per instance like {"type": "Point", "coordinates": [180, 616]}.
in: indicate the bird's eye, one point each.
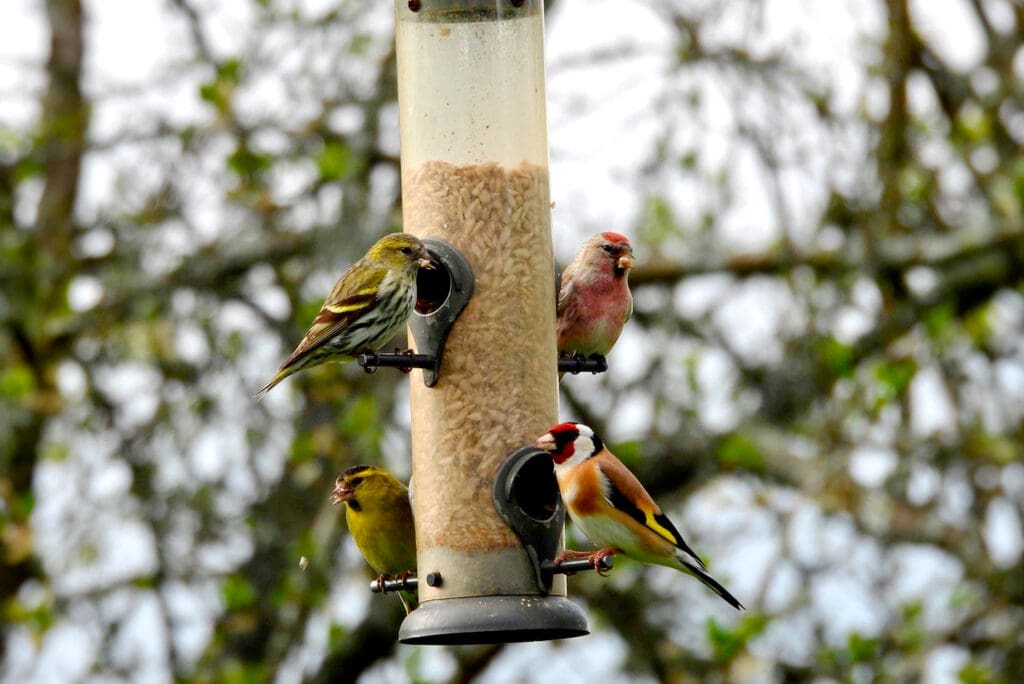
{"type": "Point", "coordinates": [356, 481]}
{"type": "Point", "coordinates": [406, 250]}
{"type": "Point", "coordinates": [607, 248]}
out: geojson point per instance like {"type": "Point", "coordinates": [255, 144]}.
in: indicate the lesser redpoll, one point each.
{"type": "Point", "coordinates": [594, 301]}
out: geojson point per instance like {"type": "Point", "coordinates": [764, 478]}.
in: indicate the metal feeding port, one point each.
{"type": "Point", "coordinates": [526, 496]}
{"type": "Point", "coordinates": [441, 294]}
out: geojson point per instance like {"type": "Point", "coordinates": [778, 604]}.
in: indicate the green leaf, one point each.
{"type": "Point", "coordinates": [938, 318]}
{"type": "Point", "coordinates": [894, 377]}
{"type": "Point", "coordinates": [335, 162]}
{"type": "Point", "coordinates": [659, 223]}
{"type": "Point", "coordinates": [237, 592]}
{"type": "Point", "coordinates": [17, 382]}
{"type": "Point", "coordinates": [739, 451]}
{"type": "Point", "coordinates": [728, 643]}
{"type": "Point", "coordinates": [249, 164]}
{"type": "Point", "coordinates": [835, 356]}
{"type": "Point", "coordinates": [363, 423]}
{"type": "Point", "coordinates": [629, 452]}
{"type": "Point", "coordinates": [230, 70]}
{"type": "Point", "coordinates": [218, 92]}
{"type": "Point", "coordinates": [862, 650]}
{"type": "Point", "coordinates": [976, 673]}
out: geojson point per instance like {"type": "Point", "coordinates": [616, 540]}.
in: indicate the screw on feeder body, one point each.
{"type": "Point", "coordinates": [434, 579]}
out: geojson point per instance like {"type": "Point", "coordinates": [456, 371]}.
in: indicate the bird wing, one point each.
{"type": "Point", "coordinates": [349, 299]}
{"type": "Point", "coordinates": [626, 494]}
{"type": "Point", "coordinates": [565, 293]}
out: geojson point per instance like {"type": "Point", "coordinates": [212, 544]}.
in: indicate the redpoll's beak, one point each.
{"type": "Point", "coordinates": [546, 443]}
{"type": "Point", "coordinates": [341, 492]}
{"type": "Point", "coordinates": [625, 262]}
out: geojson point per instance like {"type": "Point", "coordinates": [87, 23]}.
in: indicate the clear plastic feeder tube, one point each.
{"type": "Point", "coordinates": [475, 173]}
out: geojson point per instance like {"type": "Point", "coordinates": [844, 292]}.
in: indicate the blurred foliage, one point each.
{"type": "Point", "coordinates": [835, 415]}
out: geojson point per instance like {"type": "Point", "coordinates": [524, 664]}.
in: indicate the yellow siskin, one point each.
{"type": "Point", "coordinates": [367, 306]}
{"type": "Point", "coordinates": [380, 520]}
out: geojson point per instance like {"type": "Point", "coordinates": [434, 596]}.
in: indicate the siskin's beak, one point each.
{"type": "Point", "coordinates": [546, 443]}
{"type": "Point", "coordinates": [625, 261]}
{"type": "Point", "coordinates": [426, 260]}
{"type": "Point", "coordinates": [341, 492]}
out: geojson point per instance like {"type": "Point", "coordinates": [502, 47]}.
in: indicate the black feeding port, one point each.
{"type": "Point", "coordinates": [534, 488]}
{"type": "Point", "coordinates": [527, 499]}
{"type": "Point", "coordinates": [441, 294]}
{"type": "Point", "coordinates": [433, 286]}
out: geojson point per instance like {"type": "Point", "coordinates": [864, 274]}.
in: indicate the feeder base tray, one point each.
{"type": "Point", "coordinates": [493, 620]}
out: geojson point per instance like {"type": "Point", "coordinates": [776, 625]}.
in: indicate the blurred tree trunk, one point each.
{"type": "Point", "coordinates": [42, 274]}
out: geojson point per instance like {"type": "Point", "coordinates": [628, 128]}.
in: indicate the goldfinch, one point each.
{"type": "Point", "coordinates": [380, 520]}
{"type": "Point", "coordinates": [367, 306]}
{"type": "Point", "coordinates": [610, 506]}
{"type": "Point", "coordinates": [594, 301]}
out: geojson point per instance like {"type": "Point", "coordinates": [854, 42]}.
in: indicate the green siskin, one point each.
{"type": "Point", "coordinates": [367, 306]}
{"type": "Point", "coordinates": [380, 519]}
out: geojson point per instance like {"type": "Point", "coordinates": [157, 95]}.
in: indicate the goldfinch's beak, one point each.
{"type": "Point", "coordinates": [625, 262]}
{"type": "Point", "coordinates": [341, 492]}
{"type": "Point", "coordinates": [546, 443]}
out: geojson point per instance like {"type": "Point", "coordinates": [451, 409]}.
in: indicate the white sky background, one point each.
{"type": "Point", "coordinates": [601, 133]}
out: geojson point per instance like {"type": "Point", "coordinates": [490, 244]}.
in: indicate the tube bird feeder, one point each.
{"type": "Point", "coordinates": [474, 160]}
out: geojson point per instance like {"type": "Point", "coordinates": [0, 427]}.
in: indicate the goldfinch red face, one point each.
{"type": "Point", "coordinates": [569, 444]}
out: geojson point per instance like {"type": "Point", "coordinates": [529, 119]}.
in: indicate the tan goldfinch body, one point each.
{"type": "Point", "coordinates": [380, 520]}
{"type": "Point", "coordinates": [608, 503]}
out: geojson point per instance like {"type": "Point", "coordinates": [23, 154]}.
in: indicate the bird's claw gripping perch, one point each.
{"type": "Point", "coordinates": [403, 581]}
{"type": "Point", "coordinates": [407, 352]}
{"type": "Point", "coordinates": [570, 562]}
{"type": "Point", "coordinates": [601, 561]}
{"type": "Point", "coordinates": [404, 361]}
{"type": "Point", "coordinates": [370, 362]}
{"type": "Point", "coordinates": [404, 578]}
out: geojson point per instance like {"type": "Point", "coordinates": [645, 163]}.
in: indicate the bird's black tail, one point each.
{"type": "Point", "coordinates": [709, 581]}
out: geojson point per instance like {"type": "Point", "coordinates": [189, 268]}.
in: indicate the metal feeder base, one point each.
{"type": "Point", "coordinates": [493, 620]}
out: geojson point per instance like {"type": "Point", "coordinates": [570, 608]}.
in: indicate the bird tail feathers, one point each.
{"type": "Point", "coordinates": [278, 377]}
{"type": "Point", "coordinates": [709, 581]}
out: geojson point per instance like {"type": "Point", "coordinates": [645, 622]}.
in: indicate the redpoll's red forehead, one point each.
{"type": "Point", "coordinates": [615, 238]}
